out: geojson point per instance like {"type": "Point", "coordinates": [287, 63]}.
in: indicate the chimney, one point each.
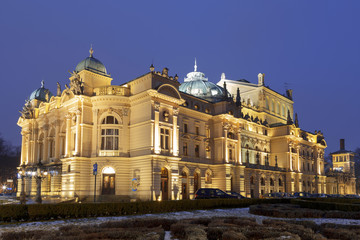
{"type": "Point", "coordinates": [342, 144]}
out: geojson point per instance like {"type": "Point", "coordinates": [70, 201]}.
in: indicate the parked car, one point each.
{"type": "Point", "coordinates": [276, 195]}
{"type": "Point", "coordinates": [209, 193]}
{"type": "Point", "coordinates": [352, 196]}
{"type": "Point", "coordinates": [238, 195]}
{"type": "Point", "coordinates": [301, 195]}
{"type": "Point", "coordinates": [318, 195]}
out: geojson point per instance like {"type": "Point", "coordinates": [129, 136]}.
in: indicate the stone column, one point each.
{"type": "Point", "coordinates": [68, 136]}
{"type": "Point", "coordinates": [157, 147]}
{"type": "Point", "coordinates": [45, 143]}
{"type": "Point", "coordinates": [175, 133]}
{"type": "Point", "coordinates": [239, 146]}
{"type": "Point", "coordinates": [57, 139]}
{"type": "Point", "coordinates": [23, 156]}
{"type": "Point", "coordinates": [78, 136]}
{"type": "Point", "coordinates": [226, 153]}
{"type": "Point", "coordinates": [95, 137]}
{"type": "Point", "coordinates": [298, 158]}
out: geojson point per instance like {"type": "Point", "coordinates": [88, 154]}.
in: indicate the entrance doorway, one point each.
{"type": "Point", "coordinates": [165, 184]}
{"type": "Point", "coordinates": [108, 181]}
{"type": "Point", "coordinates": [184, 188]}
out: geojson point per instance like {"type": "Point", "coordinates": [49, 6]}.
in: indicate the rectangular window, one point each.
{"type": "Point", "coordinates": [109, 139]}
{"type": "Point", "coordinates": [164, 138]}
{"type": "Point", "coordinates": [185, 128]}
{"type": "Point", "coordinates": [185, 149]}
{"type": "Point", "coordinates": [197, 130]}
{"type": "Point", "coordinates": [197, 151]}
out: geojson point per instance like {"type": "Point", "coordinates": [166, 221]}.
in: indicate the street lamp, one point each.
{"type": "Point", "coordinates": [39, 176]}
{"type": "Point", "coordinates": [22, 176]}
{"type": "Point", "coordinates": [316, 183]}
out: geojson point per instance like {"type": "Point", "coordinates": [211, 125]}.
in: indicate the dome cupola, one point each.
{"type": "Point", "coordinates": [41, 94]}
{"type": "Point", "coordinates": [91, 64]}
{"type": "Point", "coordinates": [197, 84]}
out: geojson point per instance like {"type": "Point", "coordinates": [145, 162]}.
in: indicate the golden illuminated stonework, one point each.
{"type": "Point", "coordinates": [156, 139]}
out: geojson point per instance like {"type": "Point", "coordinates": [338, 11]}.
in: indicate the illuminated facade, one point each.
{"type": "Point", "coordinates": [154, 138]}
{"type": "Point", "coordinates": [341, 178]}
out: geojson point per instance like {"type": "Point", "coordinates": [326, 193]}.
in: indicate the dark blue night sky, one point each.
{"type": "Point", "coordinates": [312, 47]}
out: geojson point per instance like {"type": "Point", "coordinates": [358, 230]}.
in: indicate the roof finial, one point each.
{"type": "Point", "coordinates": [42, 84]}
{"type": "Point", "coordinates": [91, 51]}
{"type": "Point", "coordinates": [195, 66]}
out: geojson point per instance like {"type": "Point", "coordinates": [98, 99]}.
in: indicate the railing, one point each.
{"type": "Point", "coordinates": [112, 90]}
{"type": "Point", "coordinates": [264, 167]}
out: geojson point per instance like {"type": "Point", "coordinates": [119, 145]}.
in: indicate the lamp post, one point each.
{"type": "Point", "coordinates": [39, 177]}
{"type": "Point", "coordinates": [317, 183]}
{"type": "Point", "coordinates": [22, 194]}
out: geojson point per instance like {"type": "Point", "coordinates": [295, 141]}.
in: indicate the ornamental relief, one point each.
{"type": "Point", "coordinates": [121, 112]}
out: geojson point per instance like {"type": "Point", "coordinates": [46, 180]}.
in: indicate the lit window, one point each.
{"type": "Point", "coordinates": [185, 149]}
{"type": "Point", "coordinates": [109, 134]}
{"type": "Point", "coordinates": [197, 151]}
{"type": "Point", "coordinates": [110, 120]}
{"type": "Point", "coordinates": [164, 138]}
{"type": "Point", "coordinates": [110, 139]}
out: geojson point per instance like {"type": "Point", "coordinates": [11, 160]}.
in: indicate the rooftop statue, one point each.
{"type": "Point", "coordinates": [28, 110]}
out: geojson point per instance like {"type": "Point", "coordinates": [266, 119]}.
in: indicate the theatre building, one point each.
{"type": "Point", "coordinates": [157, 137]}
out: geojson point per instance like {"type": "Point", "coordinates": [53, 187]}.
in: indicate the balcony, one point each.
{"type": "Point", "coordinates": [264, 167]}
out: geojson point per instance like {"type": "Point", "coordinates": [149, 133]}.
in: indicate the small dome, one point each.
{"type": "Point", "coordinates": [91, 64]}
{"type": "Point", "coordinates": [197, 85]}
{"type": "Point", "coordinates": [41, 94]}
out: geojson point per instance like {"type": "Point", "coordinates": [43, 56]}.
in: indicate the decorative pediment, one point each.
{"type": "Point", "coordinates": [169, 90]}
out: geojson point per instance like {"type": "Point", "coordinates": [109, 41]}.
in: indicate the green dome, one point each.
{"type": "Point", "coordinates": [197, 85]}
{"type": "Point", "coordinates": [41, 94]}
{"type": "Point", "coordinates": [91, 64]}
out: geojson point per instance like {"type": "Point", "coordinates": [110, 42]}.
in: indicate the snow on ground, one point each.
{"type": "Point", "coordinates": [233, 212]}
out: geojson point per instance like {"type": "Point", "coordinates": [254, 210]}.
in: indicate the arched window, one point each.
{"type": "Point", "coordinates": [257, 158]}
{"type": "Point", "coordinates": [271, 182]}
{"type": "Point", "coordinates": [280, 182]}
{"type": "Point", "coordinates": [251, 180]}
{"type": "Point", "coordinates": [109, 133]}
{"type": "Point", "coordinates": [110, 120]}
{"type": "Point", "coordinates": [262, 181]}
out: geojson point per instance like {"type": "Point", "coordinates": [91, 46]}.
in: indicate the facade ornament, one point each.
{"type": "Point", "coordinates": [78, 112]}
{"type": "Point", "coordinates": [126, 111]}
{"type": "Point", "coordinates": [176, 111]}
{"type": "Point", "coordinates": [176, 77]}
{"type": "Point", "coordinates": [156, 106]}
{"type": "Point", "coordinates": [58, 90]}
{"type": "Point", "coordinates": [166, 116]}
{"type": "Point", "coordinates": [165, 72]}
{"type": "Point", "coordinates": [67, 89]}
{"type": "Point", "coordinates": [195, 66]}
{"type": "Point", "coordinates": [261, 77]}
{"type": "Point", "coordinates": [289, 120]}
{"type": "Point", "coordinates": [226, 125]}
{"type": "Point", "coordinates": [28, 110]}
{"type": "Point", "coordinates": [152, 68]}
{"type": "Point", "coordinates": [76, 84]}
{"type": "Point", "coordinates": [223, 76]}
{"type": "Point", "coordinates": [296, 120]}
